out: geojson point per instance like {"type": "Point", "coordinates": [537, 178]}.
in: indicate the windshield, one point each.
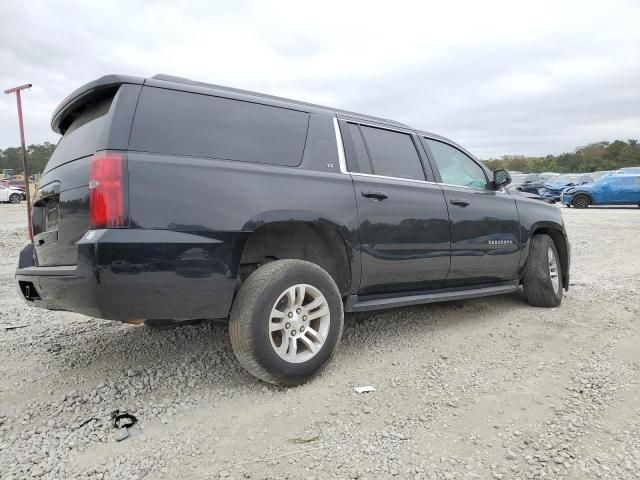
{"type": "Point", "coordinates": [603, 177]}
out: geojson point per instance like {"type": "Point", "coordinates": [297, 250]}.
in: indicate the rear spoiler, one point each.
{"type": "Point", "coordinates": [62, 115]}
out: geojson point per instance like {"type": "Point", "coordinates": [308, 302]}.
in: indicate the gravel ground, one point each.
{"type": "Point", "coordinates": [488, 388]}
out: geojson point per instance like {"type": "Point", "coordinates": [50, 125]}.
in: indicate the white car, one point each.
{"type": "Point", "coordinates": [10, 194]}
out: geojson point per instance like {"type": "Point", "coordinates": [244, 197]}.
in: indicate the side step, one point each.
{"type": "Point", "coordinates": [362, 304]}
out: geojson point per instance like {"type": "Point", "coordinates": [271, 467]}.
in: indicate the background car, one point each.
{"type": "Point", "coordinates": [546, 176]}
{"type": "Point", "coordinates": [600, 174]}
{"type": "Point", "coordinates": [619, 189]}
{"type": "Point", "coordinates": [634, 170]}
{"type": "Point", "coordinates": [10, 195]}
{"type": "Point", "coordinates": [14, 182]}
{"type": "Point", "coordinates": [554, 187]}
{"type": "Point", "coordinates": [533, 196]}
{"type": "Point", "coordinates": [527, 182]}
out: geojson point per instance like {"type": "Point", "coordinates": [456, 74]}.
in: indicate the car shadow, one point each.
{"type": "Point", "coordinates": [189, 357]}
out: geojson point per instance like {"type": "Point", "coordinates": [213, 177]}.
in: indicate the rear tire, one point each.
{"type": "Point", "coordinates": [542, 280]}
{"type": "Point", "coordinates": [286, 321]}
{"type": "Point", "coordinates": [581, 201]}
{"type": "Point", "coordinates": [15, 198]}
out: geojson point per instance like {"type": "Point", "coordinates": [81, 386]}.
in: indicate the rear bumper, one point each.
{"type": "Point", "coordinates": [127, 274]}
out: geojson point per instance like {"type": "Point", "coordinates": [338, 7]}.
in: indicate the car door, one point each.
{"type": "Point", "coordinates": [485, 225]}
{"type": "Point", "coordinates": [635, 191]}
{"type": "Point", "coordinates": [626, 190]}
{"type": "Point", "coordinates": [4, 194]}
{"type": "Point", "coordinates": [403, 222]}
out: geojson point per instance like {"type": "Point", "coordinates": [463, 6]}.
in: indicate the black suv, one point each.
{"type": "Point", "coordinates": [171, 200]}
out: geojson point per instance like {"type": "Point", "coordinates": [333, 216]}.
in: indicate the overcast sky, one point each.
{"type": "Point", "coordinates": [498, 77]}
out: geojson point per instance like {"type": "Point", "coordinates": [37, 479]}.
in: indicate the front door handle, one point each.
{"type": "Point", "coordinates": [375, 195]}
{"type": "Point", "coordinates": [458, 202]}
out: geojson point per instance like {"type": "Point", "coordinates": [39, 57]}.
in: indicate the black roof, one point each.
{"type": "Point", "coordinates": [109, 82]}
{"type": "Point", "coordinates": [264, 96]}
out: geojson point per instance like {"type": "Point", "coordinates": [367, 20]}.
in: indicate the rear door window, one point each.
{"type": "Point", "coordinates": [183, 123]}
{"type": "Point", "coordinates": [393, 154]}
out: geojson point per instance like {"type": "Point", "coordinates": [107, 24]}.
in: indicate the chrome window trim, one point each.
{"type": "Point", "coordinates": [392, 128]}
{"type": "Point", "coordinates": [384, 177]}
{"type": "Point", "coordinates": [341, 158]}
{"type": "Point", "coordinates": [343, 162]}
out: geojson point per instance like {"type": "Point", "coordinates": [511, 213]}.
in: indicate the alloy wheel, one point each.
{"type": "Point", "coordinates": [299, 323]}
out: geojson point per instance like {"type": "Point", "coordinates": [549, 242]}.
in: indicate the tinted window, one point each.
{"type": "Point", "coordinates": [184, 123]}
{"type": "Point", "coordinates": [83, 135]}
{"type": "Point", "coordinates": [455, 167]}
{"type": "Point", "coordinates": [393, 154]}
{"type": "Point", "coordinates": [357, 157]}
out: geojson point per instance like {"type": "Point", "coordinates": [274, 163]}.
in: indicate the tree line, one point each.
{"type": "Point", "coordinates": [590, 158]}
{"type": "Point", "coordinates": [37, 157]}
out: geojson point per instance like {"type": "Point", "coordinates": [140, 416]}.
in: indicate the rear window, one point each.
{"type": "Point", "coordinates": [83, 135]}
{"type": "Point", "coordinates": [183, 123]}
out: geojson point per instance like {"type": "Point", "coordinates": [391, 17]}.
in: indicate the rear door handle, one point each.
{"type": "Point", "coordinates": [458, 202]}
{"type": "Point", "coordinates": [375, 195]}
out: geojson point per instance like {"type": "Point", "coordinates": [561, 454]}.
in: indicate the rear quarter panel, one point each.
{"type": "Point", "coordinates": [230, 199]}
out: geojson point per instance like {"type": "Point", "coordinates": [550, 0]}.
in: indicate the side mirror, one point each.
{"type": "Point", "coordinates": [501, 178]}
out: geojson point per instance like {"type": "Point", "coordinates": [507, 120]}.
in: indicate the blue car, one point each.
{"type": "Point", "coordinates": [634, 170]}
{"type": "Point", "coordinates": [554, 187]}
{"type": "Point", "coordinates": [616, 189]}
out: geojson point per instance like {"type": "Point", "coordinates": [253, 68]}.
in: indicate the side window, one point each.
{"type": "Point", "coordinates": [182, 123]}
{"type": "Point", "coordinates": [357, 157]}
{"type": "Point", "coordinates": [393, 154]}
{"type": "Point", "coordinates": [455, 167]}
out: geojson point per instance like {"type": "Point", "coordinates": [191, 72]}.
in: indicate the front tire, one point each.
{"type": "Point", "coordinates": [542, 280]}
{"type": "Point", "coordinates": [15, 198]}
{"type": "Point", "coordinates": [286, 321]}
{"type": "Point", "coordinates": [581, 201]}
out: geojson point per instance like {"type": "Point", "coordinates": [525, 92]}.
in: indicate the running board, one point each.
{"type": "Point", "coordinates": [357, 304]}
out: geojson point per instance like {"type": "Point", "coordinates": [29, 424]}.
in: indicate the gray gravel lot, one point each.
{"type": "Point", "coordinates": [488, 388]}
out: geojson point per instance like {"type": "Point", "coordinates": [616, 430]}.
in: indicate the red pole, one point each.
{"type": "Point", "coordinates": [17, 91]}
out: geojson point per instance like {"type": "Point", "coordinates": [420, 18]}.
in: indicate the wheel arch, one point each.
{"type": "Point", "coordinates": [319, 242]}
{"type": "Point", "coordinates": [562, 246]}
{"type": "Point", "coordinates": [586, 194]}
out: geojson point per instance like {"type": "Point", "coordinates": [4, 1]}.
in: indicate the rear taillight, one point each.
{"type": "Point", "coordinates": [107, 190]}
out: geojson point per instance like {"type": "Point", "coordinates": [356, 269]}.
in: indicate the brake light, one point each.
{"type": "Point", "coordinates": [106, 190]}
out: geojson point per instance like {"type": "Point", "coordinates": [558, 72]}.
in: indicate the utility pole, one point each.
{"type": "Point", "coordinates": [17, 91]}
